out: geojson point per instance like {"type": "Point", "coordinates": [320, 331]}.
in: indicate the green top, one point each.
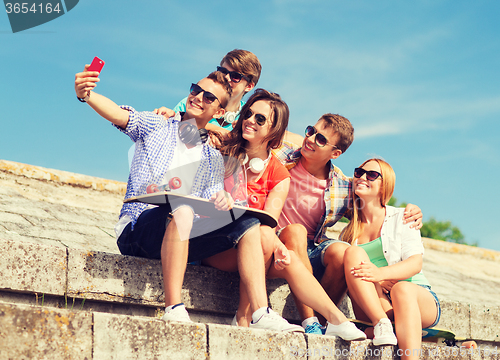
{"type": "Point", "coordinates": [376, 254]}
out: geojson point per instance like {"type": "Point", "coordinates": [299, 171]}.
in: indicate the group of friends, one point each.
{"type": "Point", "coordinates": [216, 146]}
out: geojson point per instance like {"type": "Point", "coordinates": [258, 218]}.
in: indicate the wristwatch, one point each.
{"type": "Point", "coordinates": [85, 99]}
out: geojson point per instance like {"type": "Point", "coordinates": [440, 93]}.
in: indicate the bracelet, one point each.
{"type": "Point", "coordinates": [85, 99]}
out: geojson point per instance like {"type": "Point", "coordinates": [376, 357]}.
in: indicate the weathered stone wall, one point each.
{"type": "Point", "coordinates": [65, 292]}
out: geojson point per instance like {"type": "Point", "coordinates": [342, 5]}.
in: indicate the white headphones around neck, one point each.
{"type": "Point", "coordinates": [256, 165]}
{"type": "Point", "coordinates": [230, 116]}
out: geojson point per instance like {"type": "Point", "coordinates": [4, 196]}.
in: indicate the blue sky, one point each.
{"type": "Point", "coordinates": [418, 80]}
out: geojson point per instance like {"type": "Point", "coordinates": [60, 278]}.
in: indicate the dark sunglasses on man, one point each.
{"type": "Point", "coordinates": [320, 139]}
{"type": "Point", "coordinates": [234, 75]}
{"type": "Point", "coordinates": [371, 175]}
{"type": "Point", "coordinates": [259, 118]}
{"type": "Point", "coordinates": [208, 97]}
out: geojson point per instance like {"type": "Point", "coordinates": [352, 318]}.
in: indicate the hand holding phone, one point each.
{"type": "Point", "coordinates": [84, 84]}
{"type": "Point", "coordinates": [96, 65]}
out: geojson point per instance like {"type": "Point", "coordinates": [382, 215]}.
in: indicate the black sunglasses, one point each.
{"type": "Point", "coordinates": [371, 175]}
{"type": "Point", "coordinates": [320, 139]}
{"type": "Point", "coordinates": [234, 75]}
{"type": "Point", "coordinates": [208, 97]}
{"type": "Point", "coordinates": [259, 118]}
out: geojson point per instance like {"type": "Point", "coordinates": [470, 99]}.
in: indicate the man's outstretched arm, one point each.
{"type": "Point", "coordinates": [85, 82]}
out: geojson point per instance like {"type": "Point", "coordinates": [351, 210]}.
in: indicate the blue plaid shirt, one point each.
{"type": "Point", "coordinates": [155, 141]}
{"type": "Point", "coordinates": [337, 194]}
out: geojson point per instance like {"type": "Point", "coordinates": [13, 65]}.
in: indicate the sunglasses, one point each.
{"type": "Point", "coordinates": [208, 97]}
{"type": "Point", "coordinates": [234, 75]}
{"type": "Point", "coordinates": [259, 118]}
{"type": "Point", "coordinates": [371, 175]}
{"type": "Point", "coordinates": [320, 139]}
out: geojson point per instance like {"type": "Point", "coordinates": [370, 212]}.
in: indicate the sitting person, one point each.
{"type": "Point", "coordinates": [163, 232]}
{"type": "Point", "coordinates": [319, 197]}
{"type": "Point", "coordinates": [251, 166]}
{"type": "Point", "coordinates": [384, 271]}
{"type": "Point", "coordinates": [263, 183]}
{"type": "Point", "coordinates": [242, 70]}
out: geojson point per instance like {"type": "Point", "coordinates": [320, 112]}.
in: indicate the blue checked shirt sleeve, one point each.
{"type": "Point", "coordinates": [155, 144]}
{"type": "Point", "coordinates": [209, 178]}
{"type": "Point", "coordinates": [140, 123]}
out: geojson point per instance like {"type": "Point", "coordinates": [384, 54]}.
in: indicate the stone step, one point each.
{"type": "Point", "coordinates": [40, 332]}
{"type": "Point", "coordinates": [112, 283]}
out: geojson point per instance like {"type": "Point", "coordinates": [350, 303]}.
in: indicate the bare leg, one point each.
{"type": "Point", "coordinates": [174, 254]}
{"type": "Point", "coordinates": [307, 289]}
{"type": "Point", "coordinates": [386, 305]}
{"type": "Point", "coordinates": [414, 308]}
{"type": "Point", "coordinates": [362, 292]}
{"type": "Point", "coordinates": [228, 261]}
{"type": "Point", "coordinates": [295, 239]}
{"type": "Point", "coordinates": [333, 280]}
{"type": "Point", "coordinates": [250, 264]}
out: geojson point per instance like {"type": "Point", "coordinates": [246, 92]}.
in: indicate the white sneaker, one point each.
{"type": "Point", "coordinates": [347, 331]}
{"type": "Point", "coordinates": [383, 333]}
{"type": "Point", "coordinates": [177, 313]}
{"type": "Point", "coordinates": [235, 321]}
{"type": "Point", "coordinates": [272, 321]}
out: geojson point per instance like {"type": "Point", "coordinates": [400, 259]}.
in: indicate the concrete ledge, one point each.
{"type": "Point", "coordinates": [31, 332]}
{"type": "Point", "coordinates": [461, 249]}
{"type": "Point", "coordinates": [128, 285]}
{"type": "Point", "coordinates": [33, 268]}
{"type": "Point", "coordinates": [117, 278]}
{"type": "Point", "coordinates": [124, 337]}
{"type": "Point", "coordinates": [456, 316]}
{"type": "Point", "coordinates": [485, 323]}
{"type": "Point", "coordinates": [65, 177]}
{"type": "Point", "coordinates": [232, 343]}
{"type": "Point", "coordinates": [34, 332]}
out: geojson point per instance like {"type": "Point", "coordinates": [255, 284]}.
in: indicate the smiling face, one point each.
{"type": "Point", "coordinates": [311, 152]}
{"type": "Point", "coordinates": [365, 188]}
{"type": "Point", "coordinates": [198, 109]}
{"type": "Point", "coordinates": [251, 130]}
{"type": "Point", "coordinates": [240, 88]}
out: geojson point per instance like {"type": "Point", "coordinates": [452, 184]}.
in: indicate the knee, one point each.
{"type": "Point", "coordinates": [183, 214]}
{"type": "Point", "coordinates": [267, 239]}
{"type": "Point", "coordinates": [352, 252]}
{"type": "Point", "coordinates": [354, 255]}
{"type": "Point", "coordinates": [294, 237]}
{"type": "Point", "coordinates": [182, 220]}
{"type": "Point", "coordinates": [334, 254]}
{"type": "Point", "coordinates": [403, 290]}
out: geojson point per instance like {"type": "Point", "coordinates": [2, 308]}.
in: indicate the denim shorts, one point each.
{"type": "Point", "coordinates": [316, 255]}
{"type": "Point", "coordinates": [210, 237]}
{"type": "Point", "coordinates": [219, 240]}
{"type": "Point", "coordinates": [438, 305]}
{"type": "Point", "coordinates": [436, 300]}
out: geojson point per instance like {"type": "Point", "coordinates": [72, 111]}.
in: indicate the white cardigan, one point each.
{"type": "Point", "coordinates": [399, 241]}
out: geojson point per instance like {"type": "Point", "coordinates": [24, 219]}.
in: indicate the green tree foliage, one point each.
{"type": "Point", "coordinates": [442, 230]}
